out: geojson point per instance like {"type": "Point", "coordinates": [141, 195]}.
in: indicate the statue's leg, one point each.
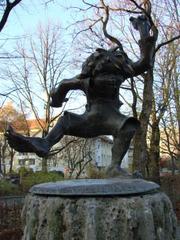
{"type": "Point", "coordinates": [84, 125]}
{"type": "Point", "coordinates": [121, 145]}
{"type": "Point", "coordinates": [123, 139]}
{"type": "Point", "coordinates": [68, 124]}
{"type": "Point", "coordinates": [41, 146]}
{"type": "Point", "coordinates": [27, 144]}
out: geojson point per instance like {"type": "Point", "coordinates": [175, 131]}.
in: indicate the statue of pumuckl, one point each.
{"type": "Point", "coordinates": [101, 76]}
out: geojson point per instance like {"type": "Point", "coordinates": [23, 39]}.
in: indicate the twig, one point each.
{"type": "Point", "coordinates": [167, 42]}
{"type": "Point", "coordinates": [9, 7]}
{"type": "Point", "coordinates": [105, 22]}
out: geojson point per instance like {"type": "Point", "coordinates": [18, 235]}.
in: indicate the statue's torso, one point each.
{"type": "Point", "coordinates": [104, 88]}
{"type": "Point", "coordinates": [105, 73]}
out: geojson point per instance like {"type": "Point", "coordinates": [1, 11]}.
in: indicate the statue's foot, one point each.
{"type": "Point", "coordinates": [54, 102]}
{"type": "Point", "coordinates": [116, 171]}
{"type": "Point", "coordinates": [27, 144]}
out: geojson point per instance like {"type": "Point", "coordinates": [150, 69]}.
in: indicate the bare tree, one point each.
{"type": "Point", "coordinates": [76, 156]}
{"type": "Point", "coordinates": [171, 120]}
{"type": "Point", "coordinates": [9, 115]}
{"type": "Point", "coordinates": [163, 95]}
{"type": "Point", "coordinates": [38, 72]}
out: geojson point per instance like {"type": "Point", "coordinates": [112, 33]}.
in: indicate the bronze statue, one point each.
{"type": "Point", "coordinates": [100, 79]}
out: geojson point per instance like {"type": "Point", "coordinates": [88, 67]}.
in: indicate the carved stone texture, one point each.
{"type": "Point", "coordinates": [143, 217]}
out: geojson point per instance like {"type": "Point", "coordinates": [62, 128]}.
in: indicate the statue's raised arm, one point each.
{"type": "Point", "coordinates": [58, 95]}
{"type": "Point", "coordinates": [146, 44]}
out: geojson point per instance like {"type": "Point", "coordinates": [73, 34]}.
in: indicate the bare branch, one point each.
{"type": "Point", "coordinates": [140, 7]}
{"type": "Point", "coordinates": [105, 22]}
{"type": "Point", "coordinates": [91, 5]}
{"type": "Point", "coordinates": [55, 151]}
{"type": "Point", "coordinates": [88, 28]}
{"type": "Point", "coordinates": [8, 93]}
{"type": "Point", "coordinates": [9, 7]}
{"type": "Point", "coordinates": [124, 10]}
{"type": "Point", "coordinates": [167, 42]}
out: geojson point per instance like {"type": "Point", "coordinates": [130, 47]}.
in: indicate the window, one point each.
{"type": "Point", "coordinates": [21, 162]}
{"type": "Point", "coordinates": [31, 161]}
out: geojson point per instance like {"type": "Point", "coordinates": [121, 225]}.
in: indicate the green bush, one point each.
{"type": "Point", "coordinates": [12, 174]}
{"type": "Point", "coordinates": [8, 188]}
{"type": "Point", "coordinates": [38, 177]}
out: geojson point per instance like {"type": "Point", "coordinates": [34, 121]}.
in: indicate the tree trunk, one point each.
{"type": "Point", "coordinates": [154, 153]}
{"type": "Point", "coordinates": [3, 159]}
{"type": "Point", "coordinates": [44, 159]}
{"type": "Point", "coordinates": [140, 155]}
{"type": "Point", "coordinates": [11, 160]}
{"type": "Point", "coordinates": [44, 164]}
{"type": "Point", "coordinates": [0, 160]}
{"type": "Point", "coordinates": [173, 160]}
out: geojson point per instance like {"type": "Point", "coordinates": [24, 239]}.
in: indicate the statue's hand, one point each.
{"type": "Point", "coordinates": [141, 24]}
{"type": "Point", "coordinates": [55, 99]}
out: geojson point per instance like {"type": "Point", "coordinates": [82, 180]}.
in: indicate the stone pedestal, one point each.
{"type": "Point", "coordinates": [111, 209]}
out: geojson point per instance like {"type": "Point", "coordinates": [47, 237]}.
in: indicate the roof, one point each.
{"type": "Point", "coordinates": [24, 125]}
{"type": "Point", "coordinates": [36, 124]}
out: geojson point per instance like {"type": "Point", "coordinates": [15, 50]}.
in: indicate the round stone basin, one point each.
{"type": "Point", "coordinates": [96, 187]}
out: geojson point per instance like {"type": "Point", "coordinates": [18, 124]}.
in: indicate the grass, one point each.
{"type": "Point", "coordinates": [8, 188]}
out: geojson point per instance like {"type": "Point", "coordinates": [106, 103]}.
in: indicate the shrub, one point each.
{"type": "Point", "coordinates": [8, 188]}
{"type": "Point", "coordinates": [11, 234]}
{"type": "Point", "coordinates": [38, 177]}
